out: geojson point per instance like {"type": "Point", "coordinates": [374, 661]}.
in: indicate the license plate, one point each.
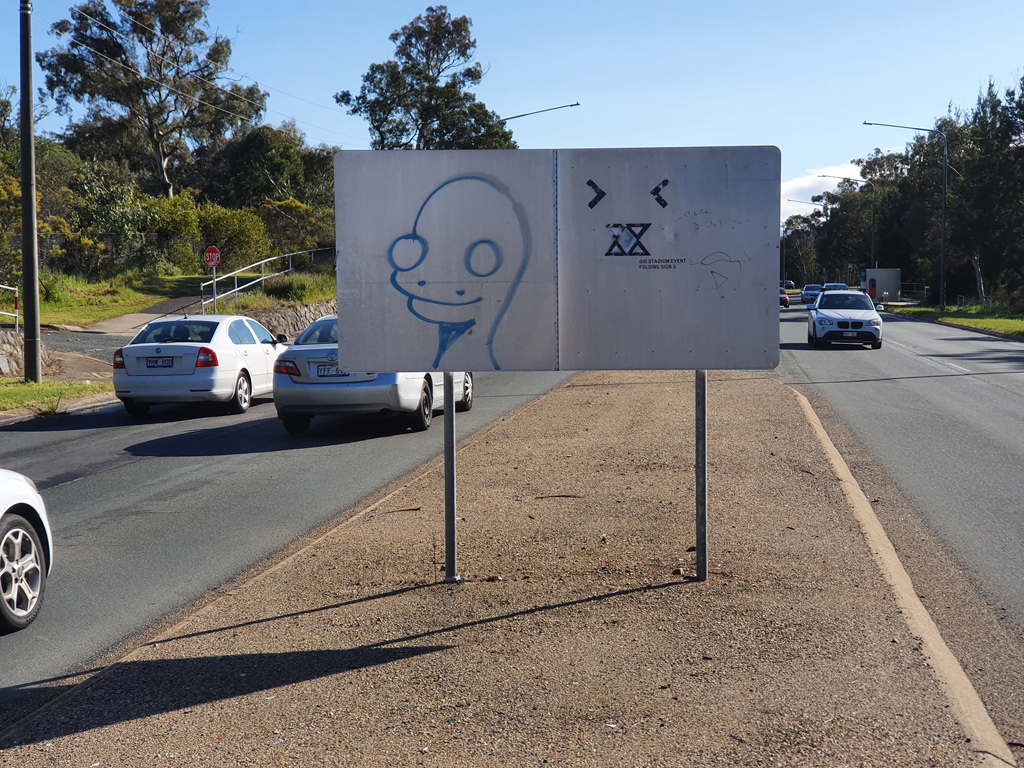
{"type": "Point", "coordinates": [850, 334]}
{"type": "Point", "coordinates": [330, 371]}
{"type": "Point", "coordinates": [159, 362]}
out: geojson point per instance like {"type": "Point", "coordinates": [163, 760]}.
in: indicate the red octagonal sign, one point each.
{"type": "Point", "coordinates": [212, 256]}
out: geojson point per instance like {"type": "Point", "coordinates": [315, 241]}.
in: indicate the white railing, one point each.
{"type": "Point", "coordinates": [13, 314]}
{"type": "Point", "coordinates": [234, 291]}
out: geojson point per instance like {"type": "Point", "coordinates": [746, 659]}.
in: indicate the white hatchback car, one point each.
{"type": "Point", "coordinates": [26, 551]}
{"type": "Point", "coordinates": [205, 358]}
{"type": "Point", "coordinates": [309, 380]}
{"type": "Point", "coordinates": [844, 316]}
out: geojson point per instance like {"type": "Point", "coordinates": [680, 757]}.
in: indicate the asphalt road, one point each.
{"type": "Point", "coordinates": [150, 515]}
{"type": "Point", "coordinates": [942, 409]}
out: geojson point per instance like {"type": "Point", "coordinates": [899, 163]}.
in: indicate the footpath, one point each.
{"type": "Point", "coordinates": [578, 635]}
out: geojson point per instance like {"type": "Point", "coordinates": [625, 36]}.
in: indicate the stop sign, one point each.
{"type": "Point", "coordinates": [212, 256]}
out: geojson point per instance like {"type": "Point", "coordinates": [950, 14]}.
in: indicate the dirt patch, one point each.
{"type": "Point", "coordinates": [578, 636]}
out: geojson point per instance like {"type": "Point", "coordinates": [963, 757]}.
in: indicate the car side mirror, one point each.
{"type": "Point", "coordinates": [879, 308]}
{"type": "Point", "coordinates": [281, 339]}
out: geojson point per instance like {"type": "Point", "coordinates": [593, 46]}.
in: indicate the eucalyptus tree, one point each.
{"type": "Point", "coordinates": [420, 99]}
{"type": "Point", "coordinates": [151, 80]}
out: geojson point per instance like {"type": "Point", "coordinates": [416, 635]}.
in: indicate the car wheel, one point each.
{"type": "Point", "coordinates": [135, 409]}
{"type": "Point", "coordinates": [419, 419]}
{"type": "Point", "coordinates": [810, 338]}
{"type": "Point", "coordinates": [22, 573]}
{"type": "Point", "coordinates": [876, 344]}
{"type": "Point", "coordinates": [295, 425]}
{"type": "Point", "coordinates": [242, 397]}
{"type": "Point", "coordinates": [467, 393]}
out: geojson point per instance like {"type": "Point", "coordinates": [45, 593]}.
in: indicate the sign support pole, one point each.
{"type": "Point", "coordinates": [701, 468]}
{"type": "Point", "coordinates": [450, 565]}
{"type": "Point", "coordinates": [215, 290]}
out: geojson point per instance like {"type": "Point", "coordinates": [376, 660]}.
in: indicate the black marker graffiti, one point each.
{"type": "Point", "coordinates": [599, 193]}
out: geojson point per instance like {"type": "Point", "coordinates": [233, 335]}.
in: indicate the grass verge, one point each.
{"type": "Point", "coordinates": [46, 396]}
{"type": "Point", "coordinates": [999, 320]}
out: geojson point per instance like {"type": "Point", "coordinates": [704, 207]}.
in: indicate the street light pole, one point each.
{"type": "Point", "coordinates": [874, 261]}
{"type": "Point", "coordinates": [945, 186]}
{"type": "Point", "coordinates": [537, 112]}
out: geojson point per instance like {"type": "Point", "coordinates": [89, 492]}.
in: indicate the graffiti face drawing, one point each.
{"type": "Point", "coordinates": [460, 265]}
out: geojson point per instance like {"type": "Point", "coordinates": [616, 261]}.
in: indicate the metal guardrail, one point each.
{"type": "Point", "coordinates": [13, 314]}
{"type": "Point", "coordinates": [257, 281]}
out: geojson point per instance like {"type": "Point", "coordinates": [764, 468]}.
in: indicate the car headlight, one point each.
{"type": "Point", "coordinates": [875, 322]}
{"type": "Point", "coordinates": [824, 320]}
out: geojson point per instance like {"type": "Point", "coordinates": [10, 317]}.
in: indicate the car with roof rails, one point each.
{"type": "Point", "coordinates": [846, 317]}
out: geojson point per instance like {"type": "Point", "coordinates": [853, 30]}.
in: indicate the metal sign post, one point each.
{"type": "Point", "coordinates": [450, 565]}
{"type": "Point", "coordinates": [568, 259]}
{"type": "Point", "coordinates": [701, 468]}
{"type": "Point", "coordinates": [212, 257]}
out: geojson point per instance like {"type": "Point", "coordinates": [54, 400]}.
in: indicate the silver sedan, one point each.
{"type": "Point", "coordinates": [310, 380]}
{"type": "Point", "coordinates": [204, 358]}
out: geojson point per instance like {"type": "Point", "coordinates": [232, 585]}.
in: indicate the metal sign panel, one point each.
{"type": "Point", "coordinates": [668, 258]}
{"type": "Point", "coordinates": [446, 260]}
{"type": "Point", "coordinates": [558, 259]}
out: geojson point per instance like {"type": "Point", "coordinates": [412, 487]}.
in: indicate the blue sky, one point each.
{"type": "Point", "coordinates": [802, 76]}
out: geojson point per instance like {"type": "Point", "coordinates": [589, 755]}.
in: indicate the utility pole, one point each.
{"type": "Point", "coordinates": [29, 240]}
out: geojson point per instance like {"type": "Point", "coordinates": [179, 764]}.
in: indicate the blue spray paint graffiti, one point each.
{"type": "Point", "coordinates": [468, 283]}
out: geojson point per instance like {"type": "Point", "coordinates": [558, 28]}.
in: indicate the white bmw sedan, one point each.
{"type": "Point", "coordinates": [309, 380]}
{"type": "Point", "coordinates": [206, 358]}
{"type": "Point", "coordinates": [26, 551]}
{"type": "Point", "coordinates": [844, 316]}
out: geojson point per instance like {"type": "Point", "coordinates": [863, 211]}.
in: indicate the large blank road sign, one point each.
{"type": "Point", "coordinates": [558, 259]}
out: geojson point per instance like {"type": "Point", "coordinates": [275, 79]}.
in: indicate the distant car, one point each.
{"type": "Point", "coordinates": [835, 287]}
{"type": "Point", "coordinates": [810, 293]}
{"type": "Point", "coordinates": [783, 298]}
{"type": "Point", "coordinates": [844, 316]}
{"type": "Point", "coordinates": [789, 285]}
{"type": "Point", "coordinates": [310, 380]}
{"type": "Point", "coordinates": [205, 358]}
{"type": "Point", "coordinates": [26, 551]}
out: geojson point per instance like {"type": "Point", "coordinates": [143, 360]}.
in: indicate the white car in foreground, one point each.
{"type": "Point", "coordinates": [309, 381]}
{"type": "Point", "coordinates": [26, 551]}
{"type": "Point", "coordinates": [206, 358]}
{"type": "Point", "coordinates": [847, 317]}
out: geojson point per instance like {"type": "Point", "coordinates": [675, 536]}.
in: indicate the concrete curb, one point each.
{"type": "Point", "coordinates": [989, 746]}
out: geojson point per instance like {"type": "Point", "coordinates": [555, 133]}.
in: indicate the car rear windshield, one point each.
{"type": "Point", "coordinates": [170, 331]}
{"type": "Point", "coordinates": [321, 332]}
{"type": "Point", "coordinates": [840, 301]}
{"type": "Point", "coordinates": [812, 287]}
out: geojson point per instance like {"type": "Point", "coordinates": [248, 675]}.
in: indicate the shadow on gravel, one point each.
{"type": "Point", "coordinates": [140, 688]}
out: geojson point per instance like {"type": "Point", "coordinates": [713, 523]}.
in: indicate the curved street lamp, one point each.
{"type": "Point", "coordinates": [945, 184]}
{"type": "Point", "coordinates": [862, 181]}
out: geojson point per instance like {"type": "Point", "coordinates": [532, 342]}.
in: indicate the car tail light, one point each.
{"type": "Point", "coordinates": [119, 359]}
{"type": "Point", "coordinates": [286, 366]}
{"type": "Point", "coordinates": [207, 358]}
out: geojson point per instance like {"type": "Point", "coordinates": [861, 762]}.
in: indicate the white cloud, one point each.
{"type": "Point", "coordinates": [803, 187]}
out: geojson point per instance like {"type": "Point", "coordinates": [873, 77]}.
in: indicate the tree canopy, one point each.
{"type": "Point", "coordinates": [151, 79]}
{"type": "Point", "coordinates": [419, 99]}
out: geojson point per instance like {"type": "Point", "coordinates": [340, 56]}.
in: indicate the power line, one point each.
{"type": "Point", "coordinates": [209, 83]}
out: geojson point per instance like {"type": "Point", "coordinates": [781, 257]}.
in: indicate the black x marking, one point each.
{"type": "Point", "coordinates": [636, 248]}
